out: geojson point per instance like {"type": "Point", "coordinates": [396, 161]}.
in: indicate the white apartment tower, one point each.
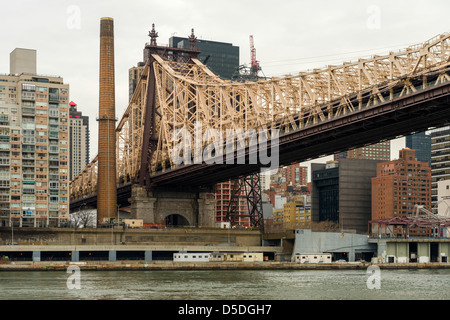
{"type": "Point", "coordinates": [34, 146]}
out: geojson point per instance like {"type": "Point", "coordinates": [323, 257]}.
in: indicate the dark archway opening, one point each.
{"type": "Point", "coordinates": [176, 220]}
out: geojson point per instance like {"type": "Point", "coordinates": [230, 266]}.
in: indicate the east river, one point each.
{"type": "Point", "coordinates": [421, 284]}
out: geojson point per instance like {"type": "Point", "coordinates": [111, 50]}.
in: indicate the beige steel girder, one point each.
{"type": "Point", "coordinates": [189, 93]}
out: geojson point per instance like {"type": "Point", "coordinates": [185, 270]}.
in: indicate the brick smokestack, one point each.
{"type": "Point", "coordinates": [106, 185]}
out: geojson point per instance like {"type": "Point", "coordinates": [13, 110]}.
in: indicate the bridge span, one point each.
{"type": "Point", "coordinates": [304, 116]}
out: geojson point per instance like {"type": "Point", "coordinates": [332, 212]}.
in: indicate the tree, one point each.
{"type": "Point", "coordinates": [84, 218]}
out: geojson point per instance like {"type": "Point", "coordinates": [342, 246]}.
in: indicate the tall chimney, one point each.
{"type": "Point", "coordinates": [106, 180]}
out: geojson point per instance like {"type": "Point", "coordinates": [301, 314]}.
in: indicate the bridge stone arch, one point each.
{"type": "Point", "coordinates": [190, 208]}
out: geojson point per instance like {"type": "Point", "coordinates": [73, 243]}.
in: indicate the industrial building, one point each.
{"type": "Point", "coordinates": [34, 146]}
{"type": "Point", "coordinates": [349, 247]}
{"type": "Point", "coordinates": [412, 250]}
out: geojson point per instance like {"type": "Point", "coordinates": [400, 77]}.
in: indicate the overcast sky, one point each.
{"type": "Point", "coordinates": [290, 36]}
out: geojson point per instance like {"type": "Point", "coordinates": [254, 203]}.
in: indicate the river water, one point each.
{"type": "Point", "coordinates": [227, 285]}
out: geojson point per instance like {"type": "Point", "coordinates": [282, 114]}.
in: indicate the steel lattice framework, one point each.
{"type": "Point", "coordinates": [176, 90]}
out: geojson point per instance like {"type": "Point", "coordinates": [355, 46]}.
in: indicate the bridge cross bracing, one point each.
{"type": "Point", "coordinates": [176, 91]}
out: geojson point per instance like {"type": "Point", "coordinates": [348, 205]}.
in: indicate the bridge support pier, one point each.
{"type": "Point", "coordinates": [36, 256]}
{"type": "Point", "coordinates": [142, 204]}
{"type": "Point", "coordinates": [172, 207]}
{"type": "Point", "coordinates": [148, 255]}
{"type": "Point", "coordinates": [75, 256]}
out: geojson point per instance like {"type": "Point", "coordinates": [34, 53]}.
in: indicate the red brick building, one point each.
{"type": "Point", "coordinates": [399, 186]}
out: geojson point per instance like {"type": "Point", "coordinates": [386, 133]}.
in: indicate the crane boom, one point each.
{"type": "Point", "coordinates": [254, 62]}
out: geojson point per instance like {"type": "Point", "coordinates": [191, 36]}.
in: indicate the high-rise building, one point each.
{"type": "Point", "coordinates": [440, 159]}
{"type": "Point", "coordinates": [421, 143]}
{"type": "Point", "coordinates": [220, 57]}
{"type": "Point", "coordinates": [134, 74]}
{"type": "Point", "coordinates": [378, 151]}
{"type": "Point", "coordinates": [79, 141]}
{"type": "Point", "coordinates": [399, 186]}
{"type": "Point", "coordinates": [341, 193]}
{"type": "Point", "coordinates": [34, 145]}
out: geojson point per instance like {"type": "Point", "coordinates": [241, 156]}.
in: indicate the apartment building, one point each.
{"type": "Point", "coordinates": [79, 141]}
{"type": "Point", "coordinates": [399, 186]}
{"type": "Point", "coordinates": [295, 213]}
{"type": "Point", "coordinates": [34, 145]}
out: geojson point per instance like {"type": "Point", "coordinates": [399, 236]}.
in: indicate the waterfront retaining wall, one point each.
{"type": "Point", "coordinates": [108, 236]}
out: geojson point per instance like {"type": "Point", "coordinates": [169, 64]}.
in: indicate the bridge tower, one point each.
{"type": "Point", "coordinates": [173, 205]}
{"type": "Point", "coordinates": [106, 187]}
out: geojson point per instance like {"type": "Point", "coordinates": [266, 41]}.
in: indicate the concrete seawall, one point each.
{"type": "Point", "coordinates": [170, 265]}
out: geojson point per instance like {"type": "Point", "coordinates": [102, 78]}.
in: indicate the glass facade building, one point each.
{"type": "Point", "coordinates": [421, 143]}
{"type": "Point", "coordinates": [220, 57]}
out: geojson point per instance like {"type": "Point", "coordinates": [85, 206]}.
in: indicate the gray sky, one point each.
{"type": "Point", "coordinates": [290, 36]}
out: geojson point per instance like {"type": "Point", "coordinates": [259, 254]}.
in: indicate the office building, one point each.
{"type": "Point", "coordinates": [440, 159]}
{"type": "Point", "coordinates": [341, 193]}
{"type": "Point", "coordinates": [220, 57]}
{"type": "Point", "coordinates": [34, 145]}
{"type": "Point", "coordinates": [400, 186]}
{"type": "Point", "coordinates": [79, 140]}
{"type": "Point", "coordinates": [421, 143]}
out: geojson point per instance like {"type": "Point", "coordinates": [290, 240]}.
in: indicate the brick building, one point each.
{"type": "Point", "coordinates": [399, 186]}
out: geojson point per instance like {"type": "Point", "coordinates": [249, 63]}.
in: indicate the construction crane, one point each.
{"type": "Point", "coordinates": [254, 67]}
{"type": "Point", "coordinates": [245, 73]}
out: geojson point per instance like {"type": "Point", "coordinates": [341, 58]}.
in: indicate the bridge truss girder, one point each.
{"type": "Point", "coordinates": [186, 92]}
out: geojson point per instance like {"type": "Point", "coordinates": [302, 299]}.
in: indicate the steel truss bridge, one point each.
{"type": "Point", "coordinates": [317, 113]}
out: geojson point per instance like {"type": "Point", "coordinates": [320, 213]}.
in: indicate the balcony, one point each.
{"type": "Point", "coordinates": [28, 177]}
{"type": "Point", "coordinates": [28, 163]}
{"type": "Point", "coordinates": [53, 164]}
{"type": "Point", "coordinates": [53, 98]}
{"type": "Point", "coordinates": [28, 96]}
{"type": "Point", "coordinates": [5, 146]}
{"type": "Point", "coordinates": [53, 134]}
{"type": "Point", "coordinates": [54, 149]}
{"type": "Point", "coordinates": [28, 111]}
{"type": "Point", "coordinates": [5, 138]}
